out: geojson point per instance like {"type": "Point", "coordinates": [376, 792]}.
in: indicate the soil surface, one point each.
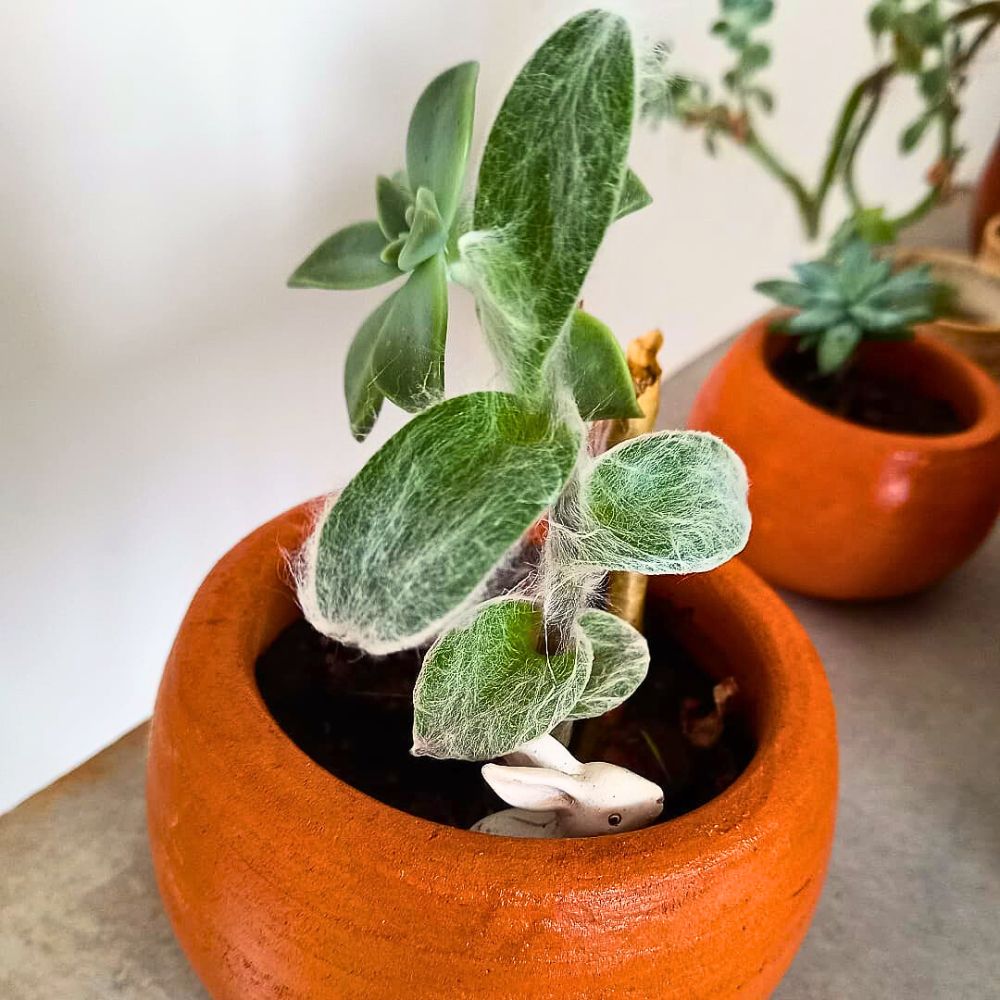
{"type": "Point", "coordinates": [867, 398]}
{"type": "Point", "coordinates": [353, 715]}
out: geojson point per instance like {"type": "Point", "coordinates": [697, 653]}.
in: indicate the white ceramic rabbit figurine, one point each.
{"type": "Point", "coordinates": [557, 796]}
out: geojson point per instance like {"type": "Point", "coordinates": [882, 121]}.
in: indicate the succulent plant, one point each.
{"type": "Point", "coordinates": [403, 556]}
{"type": "Point", "coordinates": [850, 296]}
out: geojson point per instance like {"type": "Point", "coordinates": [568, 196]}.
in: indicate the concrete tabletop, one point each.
{"type": "Point", "coordinates": [910, 908]}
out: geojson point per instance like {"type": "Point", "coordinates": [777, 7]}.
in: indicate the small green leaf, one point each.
{"type": "Point", "coordinates": [428, 232]}
{"type": "Point", "coordinates": [836, 346]}
{"type": "Point", "coordinates": [391, 251]}
{"type": "Point", "coordinates": [763, 97]}
{"type": "Point", "coordinates": [408, 358]}
{"type": "Point", "coordinates": [913, 133]}
{"type": "Point", "coordinates": [670, 502]}
{"type": "Point", "coordinates": [815, 273]}
{"type": "Point", "coordinates": [872, 225]}
{"type": "Point", "coordinates": [913, 286]}
{"type": "Point", "coordinates": [754, 57]}
{"type": "Point", "coordinates": [364, 398]}
{"type": "Point", "coordinates": [549, 185]}
{"type": "Point", "coordinates": [872, 320]}
{"type": "Point", "coordinates": [392, 200]}
{"type": "Point", "coordinates": [437, 143]}
{"type": "Point", "coordinates": [787, 293]}
{"type": "Point", "coordinates": [620, 663]}
{"type": "Point", "coordinates": [598, 372]}
{"type": "Point", "coordinates": [348, 259]}
{"type": "Point", "coordinates": [633, 197]}
{"type": "Point", "coordinates": [934, 82]}
{"type": "Point", "coordinates": [882, 16]}
{"type": "Point", "coordinates": [816, 319]}
{"type": "Point", "coordinates": [487, 687]}
{"type": "Point", "coordinates": [414, 537]}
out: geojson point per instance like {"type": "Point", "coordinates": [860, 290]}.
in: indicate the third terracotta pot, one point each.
{"type": "Point", "coordinates": [847, 512]}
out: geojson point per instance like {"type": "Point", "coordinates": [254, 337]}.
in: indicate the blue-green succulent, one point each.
{"type": "Point", "coordinates": [851, 296]}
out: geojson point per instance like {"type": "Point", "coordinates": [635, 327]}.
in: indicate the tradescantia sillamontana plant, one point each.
{"type": "Point", "coordinates": [403, 556]}
{"type": "Point", "coordinates": [849, 296]}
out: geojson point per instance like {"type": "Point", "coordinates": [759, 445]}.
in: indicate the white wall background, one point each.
{"type": "Point", "coordinates": [164, 166]}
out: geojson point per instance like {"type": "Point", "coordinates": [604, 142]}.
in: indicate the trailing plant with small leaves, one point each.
{"type": "Point", "coordinates": [849, 297]}
{"type": "Point", "coordinates": [405, 554]}
{"type": "Point", "coordinates": [931, 42]}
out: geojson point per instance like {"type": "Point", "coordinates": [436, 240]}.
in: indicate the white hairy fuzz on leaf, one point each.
{"type": "Point", "coordinates": [489, 686]}
{"type": "Point", "coordinates": [670, 502]}
{"type": "Point", "coordinates": [412, 540]}
{"type": "Point", "coordinates": [620, 663]}
{"type": "Point", "coordinates": [550, 183]}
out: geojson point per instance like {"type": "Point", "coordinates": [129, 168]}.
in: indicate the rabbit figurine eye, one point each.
{"type": "Point", "coordinates": [615, 819]}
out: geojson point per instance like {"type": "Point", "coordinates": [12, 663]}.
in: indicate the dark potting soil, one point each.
{"type": "Point", "coordinates": [353, 715]}
{"type": "Point", "coordinates": [867, 398]}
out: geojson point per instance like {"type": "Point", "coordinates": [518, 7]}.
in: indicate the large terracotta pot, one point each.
{"type": "Point", "coordinates": [847, 512]}
{"type": "Point", "coordinates": [281, 881]}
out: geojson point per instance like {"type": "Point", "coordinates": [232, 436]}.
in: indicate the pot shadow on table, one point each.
{"type": "Point", "coordinates": [915, 871]}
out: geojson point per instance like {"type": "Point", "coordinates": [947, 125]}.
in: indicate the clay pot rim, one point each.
{"type": "Point", "coordinates": [973, 266]}
{"type": "Point", "coordinates": [979, 385]}
{"type": "Point", "coordinates": [789, 739]}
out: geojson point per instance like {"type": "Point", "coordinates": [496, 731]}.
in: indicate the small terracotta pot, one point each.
{"type": "Point", "coordinates": [281, 881]}
{"type": "Point", "coordinates": [843, 511]}
{"type": "Point", "coordinates": [986, 203]}
{"type": "Point", "coordinates": [976, 287]}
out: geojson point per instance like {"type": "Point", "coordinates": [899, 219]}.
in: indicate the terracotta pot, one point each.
{"type": "Point", "coordinates": [976, 286]}
{"type": "Point", "coordinates": [987, 198]}
{"type": "Point", "coordinates": [847, 512]}
{"type": "Point", "coordinates": [281, 881]}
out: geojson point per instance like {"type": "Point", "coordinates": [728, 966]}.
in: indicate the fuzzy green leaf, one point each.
{"type": "Point", "coordinates": [437, 143]}
{"type": "Point", "coordinates": [836, 347]}
{"type": "Point", "coordinates": [620, 663]}
{"type": "Point", "coordinates": [414, 537]}
{"type": "Point", "coordinates": [485, 688]}
{"type": "Point", "coordinates": [348, 259]}
{"type": "Point", "coordinates": [670, 502]}
{"type": "Point", "coordinates": [392, 200]}
{"type": "Point", "coordinates": [598, 372]}
{"type": "Point", "coordinates": [550, 183]}
{"type": "Point", "coordinates": [633, 197]}
{"type": "Point", "coordinates": [428, 232]}
{"type": "Point", "coordinates": [364, 398]}
{"type": "Point", "coordinates": [408, 358]}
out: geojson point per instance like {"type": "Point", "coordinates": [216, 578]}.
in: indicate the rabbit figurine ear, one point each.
{"type": "Point", "coordinates": [532, 788]}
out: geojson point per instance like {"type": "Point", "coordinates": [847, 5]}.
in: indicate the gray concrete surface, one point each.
{"type": "Point", "coordinates": [911, 908]}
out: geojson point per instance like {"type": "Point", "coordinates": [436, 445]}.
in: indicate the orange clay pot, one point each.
{"type": "Point", "coordinates": [281, 881]}
{"type": "Point", "coordinates": [843, 511]}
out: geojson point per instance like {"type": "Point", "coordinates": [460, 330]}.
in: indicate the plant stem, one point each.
{"type": "Point", "coordinates": [847, 138]}
{"type": "Point", "coordinates": [853, 145]}
{"type": "Point", "coordinates": [758, 149]}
